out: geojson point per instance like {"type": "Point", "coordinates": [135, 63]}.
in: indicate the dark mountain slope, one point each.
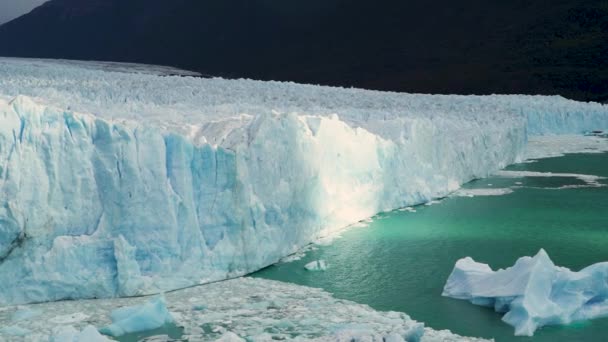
{"type": "Point", "coordinates": [469, 46]}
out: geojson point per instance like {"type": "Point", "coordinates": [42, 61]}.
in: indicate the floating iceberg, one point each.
{"type": "Point", "coordinates": [146, 183]}
{"type": "Point", "coordinates": [534, 292]}
{"type": "Point", "coordinates": [132, 319]}
{"type": "Point", "coordinates": [317, 265]}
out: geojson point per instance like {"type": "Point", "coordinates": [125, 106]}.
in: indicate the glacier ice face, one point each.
{"type": "Point", "coordinates": [244, 309]}
{"type": "Point", "coordinates": [145, 183]}
{"type": "Point", "coordinates": [132, 319]}
{"type": "Point", "coordinates": [534, 292]}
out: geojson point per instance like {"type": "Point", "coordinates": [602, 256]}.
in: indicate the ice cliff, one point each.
{"type": "Point", "coordinates": [534, 292]}
{"type": "Point", "coordinates": [118, 183]}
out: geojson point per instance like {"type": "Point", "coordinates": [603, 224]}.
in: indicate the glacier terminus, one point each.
{"type": "Point", "coordinates": [116, 183]}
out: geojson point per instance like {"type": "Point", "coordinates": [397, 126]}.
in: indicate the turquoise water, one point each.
{"type": "Point", "coordinates": [402, 260]}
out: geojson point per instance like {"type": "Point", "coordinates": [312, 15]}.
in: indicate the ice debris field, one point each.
{"type": "Point", "coordinates": [235, 310]}
{"type": "Point", "coordinates": [534, 292]}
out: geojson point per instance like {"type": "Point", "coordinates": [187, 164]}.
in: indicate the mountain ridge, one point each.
{"type": "Point", "coordinates": [472, 47]}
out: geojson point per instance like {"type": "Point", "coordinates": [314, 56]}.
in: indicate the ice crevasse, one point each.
{"type": "Point", "coordinates": [121, 184]}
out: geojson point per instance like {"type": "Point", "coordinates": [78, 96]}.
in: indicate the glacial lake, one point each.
{"type": "Point", "coordinates": [402, 259]}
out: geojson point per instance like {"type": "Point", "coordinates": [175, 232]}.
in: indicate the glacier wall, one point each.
{"type": "Point", "coordinates": [110, 190]}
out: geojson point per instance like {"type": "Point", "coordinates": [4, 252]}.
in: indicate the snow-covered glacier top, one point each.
{"type": "Point", "coordinates": [120, 183]}
{"type": "Point", "coordinates": [208, 109]}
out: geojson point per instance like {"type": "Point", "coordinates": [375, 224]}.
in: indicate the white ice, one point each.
{"type": "Point", "coordinates": [483, 192]}
{"type": "Point", "coordinates": [558, 145]}
{"type": "Point", "coordinates": [534, 292]}
{"type": "Point", "coordinates": [588, 179]}
{"type": "Point", "coordinates": [244, 308]}
{"type": "Point", "coordinates": [132, 319]}
{"type": "Point", "coordinates": [67, 333]}
{"type": "Point", "coordinates": [317, 265]}
{"type": "Point", "coordinates": [118, 183]}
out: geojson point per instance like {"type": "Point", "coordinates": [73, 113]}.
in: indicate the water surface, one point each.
{"type": "Point", "coordinates": [402, 260]}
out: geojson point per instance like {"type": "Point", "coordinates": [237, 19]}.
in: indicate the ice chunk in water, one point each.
{"type": "Point", "coordinates": [151, 315]}
{"type": "Point", "coordinates": [317, 265]}
{"type": "Point", "coordinates": [230, 337]}
{"type": "Point", "coordinates": [534, 292]}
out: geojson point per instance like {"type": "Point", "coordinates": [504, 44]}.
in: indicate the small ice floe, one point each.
{"type": "Point", "coordinates": [317, 265]}
{"type": "Point", "coordinates": [588, 179]}
{"type": "Point", "coordinates": [327, 240]}
{"type": "Point", "coordinates": [130, 319]}
{"type": "Point", "coordinates": [360, 332]}
{"type": "Point", "coordinates": [230, 337]}
{"type": "Point", "coordinates": [13, 330]}
{"type": "Point", "coordinates": [408, 209]}
{"type": "Point", "coordinates": [25, 314]}
{"type": "Point", "coordinates": [67, 333]}
{"type": "Point", "coordinates": [432, 202]}
{"type": "Point", "coordinates": [70, 318]}
{"type": "Point", "coordinates": [360, 224]}
{"type": "Point", "coordinates": [533, 292]}
{"type": "Point", "coordinates": [597, 133]}
{"type": "Point", "coordinates": [299, 254]}
{"type": "Point", "coordinates": [294, 257]}
{"type": "Point", "coordinates": [483, 192]}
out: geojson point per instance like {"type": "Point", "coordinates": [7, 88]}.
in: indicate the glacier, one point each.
{"type": "Point", "coordinates": [534, 292]}
{"type": "Point", "coordinates": [117, 183]}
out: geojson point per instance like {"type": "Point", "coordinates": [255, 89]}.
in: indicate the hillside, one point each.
{"type": "Point", "coordinates": [470, 47]}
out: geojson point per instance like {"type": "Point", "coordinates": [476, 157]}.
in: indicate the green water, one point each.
{"type": "Point", "coordinates": [402, 260]}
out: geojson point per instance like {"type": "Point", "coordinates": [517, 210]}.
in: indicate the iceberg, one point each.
{"type": "Point", "coordinates": [132, 319]}
{"type": "Point", "coordinates": [534, 292]}
{"type": "Point", "coordinates": [117, 183]}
